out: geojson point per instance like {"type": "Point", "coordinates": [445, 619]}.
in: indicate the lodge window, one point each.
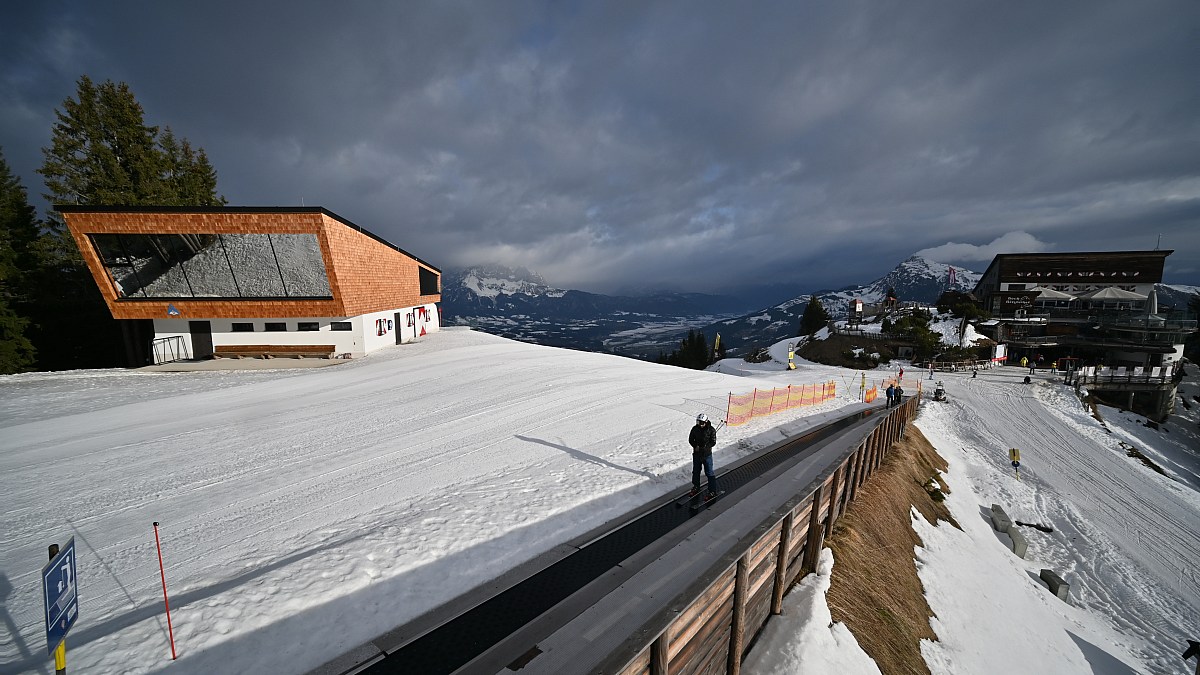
{"type": "Point", "coordinates": [428, 281]}
{"type": "Point", "coordinates": [275, 327]}
{"type": "Point", "coordinates": [308, 326]}
{"type": "Point", "coordinates": [340, 325]}
{"type": "Point", "coordinates": [211, 265]}
{"type": "Point", "coordinates": [243, 328]}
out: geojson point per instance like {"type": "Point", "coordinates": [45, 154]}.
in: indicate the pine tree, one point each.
{"type": "Point", "coordinates": [693, 352]}
{"type": "Point", "coordinates": [102, 153]}
{"type": "Point", "coordinates": [18, 235]}
{"type": "Point", "coordinates": [814, 318]}
{"type": "Point", "coordinates": [190, 179]}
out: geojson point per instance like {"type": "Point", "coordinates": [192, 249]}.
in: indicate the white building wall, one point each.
{"type": "Point", "coordinates": [365, 334]}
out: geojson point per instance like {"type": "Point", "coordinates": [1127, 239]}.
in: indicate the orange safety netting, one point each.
{"type": "Point", "coordinates": [871, 395]}
{"type": "Point", "coordinates": [744, 407]}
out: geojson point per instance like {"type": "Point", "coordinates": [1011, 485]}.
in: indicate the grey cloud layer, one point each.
{"type": "Point", "coordinates": [692, 145]}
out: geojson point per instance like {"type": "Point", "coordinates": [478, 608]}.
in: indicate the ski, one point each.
{"type": "Point", "coordinates": [706, 501]}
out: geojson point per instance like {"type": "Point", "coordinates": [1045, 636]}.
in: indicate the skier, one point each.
{"type": "Point", "coordinates": [702, 439]}
{"type": "Point", "coordinates": [891, 394]}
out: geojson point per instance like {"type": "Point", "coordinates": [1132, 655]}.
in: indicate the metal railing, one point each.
{"type": "Point", "coordinates": [1120, 375]}
{"type": "Point", "coordinates": [169, 349]}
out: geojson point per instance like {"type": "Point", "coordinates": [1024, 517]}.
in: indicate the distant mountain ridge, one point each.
{"type": "Point", "coordinates": [493, 290]}
{"type": "Point", "coordinates": [518, 303]}
{"type": "Point", "coordinates": [917, 279]}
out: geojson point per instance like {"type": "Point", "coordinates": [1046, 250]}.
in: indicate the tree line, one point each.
{"type": "Point", "coordinates": [102, 153]}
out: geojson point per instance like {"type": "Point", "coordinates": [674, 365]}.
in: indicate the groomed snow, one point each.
{"type": "Point", "coordinates": [1124, 537]}
{"type": "Point", "coordinates": [305, 512]}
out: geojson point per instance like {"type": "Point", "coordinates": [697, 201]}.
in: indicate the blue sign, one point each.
{"type": "Point", "coordinates": [62, 602]}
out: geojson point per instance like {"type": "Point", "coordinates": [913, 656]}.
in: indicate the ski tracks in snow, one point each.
{"type": "Point", "coordinates": [1075, 478]}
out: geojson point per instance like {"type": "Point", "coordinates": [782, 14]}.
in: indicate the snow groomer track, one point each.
{"type": "Point", "coordinates": [665, 586]}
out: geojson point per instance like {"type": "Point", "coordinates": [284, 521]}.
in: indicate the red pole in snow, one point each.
{"type": "Point", "coordinates": [163, 574]}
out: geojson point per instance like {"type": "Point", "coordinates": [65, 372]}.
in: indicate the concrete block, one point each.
{"type": "Point", "coordinates": [1056, 584]}
{"type": "Point", "coordinates": [1020, 545]}
{"type": "Point", "coordinates": [1000, 519]}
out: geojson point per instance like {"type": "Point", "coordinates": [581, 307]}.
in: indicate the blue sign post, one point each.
{"type": "Point", "coordinates": [59, 588]}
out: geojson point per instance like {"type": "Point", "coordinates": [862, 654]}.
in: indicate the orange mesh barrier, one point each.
{"type": "Point", "coordinates": [744, 407]}
{"type": "Point", "coordinates": [871, 395]}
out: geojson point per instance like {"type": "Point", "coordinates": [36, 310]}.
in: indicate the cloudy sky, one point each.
{"type": "Point", "coordinates": [708, 146]}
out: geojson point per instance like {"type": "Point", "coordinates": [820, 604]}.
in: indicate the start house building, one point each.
{"type": "Point", "coordinates": [203, 281]}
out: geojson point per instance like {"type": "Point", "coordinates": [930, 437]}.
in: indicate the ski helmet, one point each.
{"type": "Point", "coordinates": [701, 417]}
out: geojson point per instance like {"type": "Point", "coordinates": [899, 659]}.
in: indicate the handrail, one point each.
{"type": "Point", "coordinates": [169, 350]}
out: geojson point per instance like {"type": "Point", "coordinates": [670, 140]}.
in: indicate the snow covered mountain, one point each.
{"type": "Point", "coordinates": [519, 304]}
{"type": "Point", "coordinates": [916, 279]}
{"type": "Point", "coordinates": [1175, 296]}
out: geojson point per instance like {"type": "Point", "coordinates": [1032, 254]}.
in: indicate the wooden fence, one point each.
{"type": "Point", "coordinates": [712, 634]}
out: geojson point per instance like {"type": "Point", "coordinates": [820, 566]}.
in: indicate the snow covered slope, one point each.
{"type": "Point", "coordinates": [305, 512]}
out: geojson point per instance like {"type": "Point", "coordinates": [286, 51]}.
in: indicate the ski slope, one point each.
{"type": "Point", "coordinates": [304, 512]}
{"type": "Point", "coordinates": [1124, 537]}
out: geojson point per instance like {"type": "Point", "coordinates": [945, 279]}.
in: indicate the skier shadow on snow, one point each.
{"type": "Point", "coordinates": [590, 459]}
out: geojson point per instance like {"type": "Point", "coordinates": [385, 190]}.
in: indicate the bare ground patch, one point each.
{"type": "Point", "coordinates": [875, 590]}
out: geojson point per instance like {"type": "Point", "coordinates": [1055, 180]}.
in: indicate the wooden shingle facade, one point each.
{"type": "Point", "coordinates": [294, 276]}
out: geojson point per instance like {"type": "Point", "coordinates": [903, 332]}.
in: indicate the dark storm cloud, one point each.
{"type": "Point", "coordinates": [700, 146]}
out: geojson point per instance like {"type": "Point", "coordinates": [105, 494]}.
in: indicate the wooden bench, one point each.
{"type": "Point", "coordinates": [273, 351]}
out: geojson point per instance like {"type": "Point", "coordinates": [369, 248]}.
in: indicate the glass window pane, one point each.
{"type": "Point", "coordinates": [156, 273]}
{"type": "Point", "coordinates": [302, 265]}
{"type": "Point", "coordinates": [199, 265]}
{"type": "Point", "coordinates": [205, 264]}
{"type": "Point", "coordinates": [119, 265]}
{"type": "Point", "coordinates": [254, 265]}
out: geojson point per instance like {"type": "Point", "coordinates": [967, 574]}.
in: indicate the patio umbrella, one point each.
{"type": "Point", "coordinates": [1051, 294]}
{"type": "Point", "coordinates": [1112, 293]}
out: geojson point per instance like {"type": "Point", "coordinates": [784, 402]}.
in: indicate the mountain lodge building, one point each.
{"type": "Point", "coordinates": [198, 282]}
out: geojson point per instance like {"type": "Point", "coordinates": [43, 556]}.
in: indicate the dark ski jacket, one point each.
{"type": "Point", "coordinates": [702, 439]}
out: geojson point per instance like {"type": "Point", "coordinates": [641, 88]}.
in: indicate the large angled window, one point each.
{"type": "Point", "coordinates": [214, 265]}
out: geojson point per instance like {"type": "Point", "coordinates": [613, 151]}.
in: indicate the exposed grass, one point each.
{"type": "Point", "coordinates": [875, 590]}
{"type": "Point", "coordinates": [1131, 451]}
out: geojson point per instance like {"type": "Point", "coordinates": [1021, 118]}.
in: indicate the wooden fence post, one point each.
{"type": "Point", "coordinates": [781, 562]}
{"type": "Point", "coordinates": [839, 476]}
{"type": "Point", "coordinates": [816, 531]}
{"type": "Point", "coordinates": [660, 653]}
{"type": "Point", "coordinates": [737, 631]}
{"type": "Point", "coordinates": [855, 475]}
